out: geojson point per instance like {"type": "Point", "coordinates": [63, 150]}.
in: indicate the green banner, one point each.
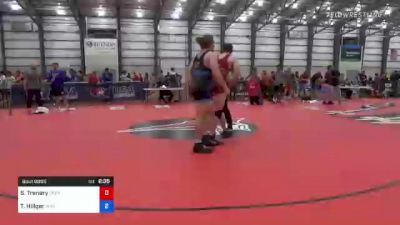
{"type": "Point", "coordinates": [351, 53]}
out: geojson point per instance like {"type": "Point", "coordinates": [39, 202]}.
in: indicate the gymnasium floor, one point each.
{"type": "Point", "coordinates": [295, 166]}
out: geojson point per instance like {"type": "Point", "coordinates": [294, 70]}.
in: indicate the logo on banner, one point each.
{"type": "Point", "coordinates": [183, 129]}
{"type": "Point", "coordinates": [381, 119]}
{"type": "Point", "coordinates": [363, 108]}
{"type": "Point", "coordinates": [101, 44]}
{"type": "Point", "coordinates": [71, 93]}
{"type": "Point", "coordinates": [124, 92]}
{"type": "Point", "coordinates": [97, 92]}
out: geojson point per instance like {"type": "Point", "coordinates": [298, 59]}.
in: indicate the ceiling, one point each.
{"type": "Point", "coordinates": [262, 12]}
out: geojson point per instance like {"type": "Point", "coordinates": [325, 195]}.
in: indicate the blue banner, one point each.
{"type": "Point", "coordinates": [85, 92]}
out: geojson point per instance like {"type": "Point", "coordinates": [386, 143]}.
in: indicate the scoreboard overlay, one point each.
{"type": "Point", "coordinates": [65, 195]}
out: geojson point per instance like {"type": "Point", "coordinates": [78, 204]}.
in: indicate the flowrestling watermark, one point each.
{"type": "Point", "coordinates": [345, 15]}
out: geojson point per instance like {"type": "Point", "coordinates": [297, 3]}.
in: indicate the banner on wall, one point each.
{"type": "Point", "coordinates": [393, 54]}
{"type": "Point", "coordinates": [101, 54]}
{"type": "Point", "coordinates": [351, 53]}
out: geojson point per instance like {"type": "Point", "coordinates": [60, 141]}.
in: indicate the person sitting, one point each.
{"type": "Point", "coordinates": [136, 77]}
{"type": "Point", "coordinates": [107, 76]}
{"type": "Point", "coordinates": [254, 89]}
{"type": "Point", "coordinates": [166, 96]}
{"type": "Point", "coordinates": [141, 79]}
{"type": "Point", "coordinates": [72, 75]}
{"type": "Point", "coordinates": [125, 76]}
{"type": "Point", "coordinates": [362, 78]}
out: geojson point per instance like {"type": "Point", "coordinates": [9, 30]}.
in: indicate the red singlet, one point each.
{"type": "Point", "coordinates": [225, 67]}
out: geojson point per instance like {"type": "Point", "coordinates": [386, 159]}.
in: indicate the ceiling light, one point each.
{"type": "Point", "coordinates": [358, 7]}
{"type": "Point", "coordinates": [139, 13]}
{"type": "Point", "coordinates": [15, 6]}
{"type": "Point", "coordinates": [260, 3]}
{"type": "Point", "coordinates": [388, 11]}
{"type": "Point", "coordinates": [328, 8]}
{"type": "Point", "coordinates": [101, 11]}
{"type": "Point", "coordinates": [61, 12]}
{"type": "Point", "coordinates": [175, 15]}
{"type": "Point", "coordinates": [314, 17]}
{"type": "Point", "coordinates": [295, 5]}
{"type": "Point", "coordinates": [274, 20]}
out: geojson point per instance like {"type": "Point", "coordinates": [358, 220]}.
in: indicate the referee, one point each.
{"type": "Point", "coordinates": [33, 87]}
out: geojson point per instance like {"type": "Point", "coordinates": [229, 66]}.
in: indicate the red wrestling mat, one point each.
{"type": "Point", "coordinates": [298, 167]}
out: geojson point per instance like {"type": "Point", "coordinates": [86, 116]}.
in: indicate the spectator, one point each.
{"type": "Point", "coordinates": [296, 78]}
{"type": "Point", "coordinates": [264, 82]}
{"type": "Point", "coordinates": [254, 89]}
{"type": "Point", "coordinates": [93, 78]}
{"type": "Point", "coordinates": [136, 77]}
{"type": "Point", "coordinates": [141, 79]}
{"type": "Point", "coordinates": [166, 96]}
{"type": "Point", "coordinates": [73, 76]}
{"type": "Point", "coordinates": [316, 81]}
{"type": "Point", "coordinates": [107, 76]}
{"type": "Point", "coordinates": [172, 72]}
{"type": "Point", "coordinates": [303, 82]}
{"type": "Point", "coordinates": [33, 86]}
{"type": "Point", "coordinates": [288, 77]}
{"type": "Point", "coordinates": [2, 76]}
{"type": "Point", "coordinates": [125, 76]}
{"type": "Point", "coordinates": [394, 79]}
{"type": "Point", "coordinates": [375, 85]}
{"type": "Point", "coordinates": [328, 75]}
{"type": "Point", "coordinates": [279, 89]}
{"type": "Point", "coordinates": [93, 81]}
{"type": "Point", "coordinates": [81, 76]}
{"type": "Point", "coordinates": [19, 77]}
{"type": "Point", "coordinates": [362, 78]}
{"type": "Point", "coordinates": [146, 77]}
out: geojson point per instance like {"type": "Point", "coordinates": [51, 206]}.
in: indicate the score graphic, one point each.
{"type": "Point", "coordinates": [65, 194]}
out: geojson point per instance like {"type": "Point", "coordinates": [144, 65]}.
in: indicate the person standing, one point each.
{"type": "Point", "coordinates": [57, 78]}
{"type": "Point", "coordinates": [254, 89]}
{"type": "Point", "coordinates": [228, 64]}
{"type": "Point", "coordinates": [33, 87]}
{"type": "Point", "coordinates": [205, 72]}
{"type": "Point", "coordinates": [394, 79]}
{"type": "Point", "coordinates": [303, 82]}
